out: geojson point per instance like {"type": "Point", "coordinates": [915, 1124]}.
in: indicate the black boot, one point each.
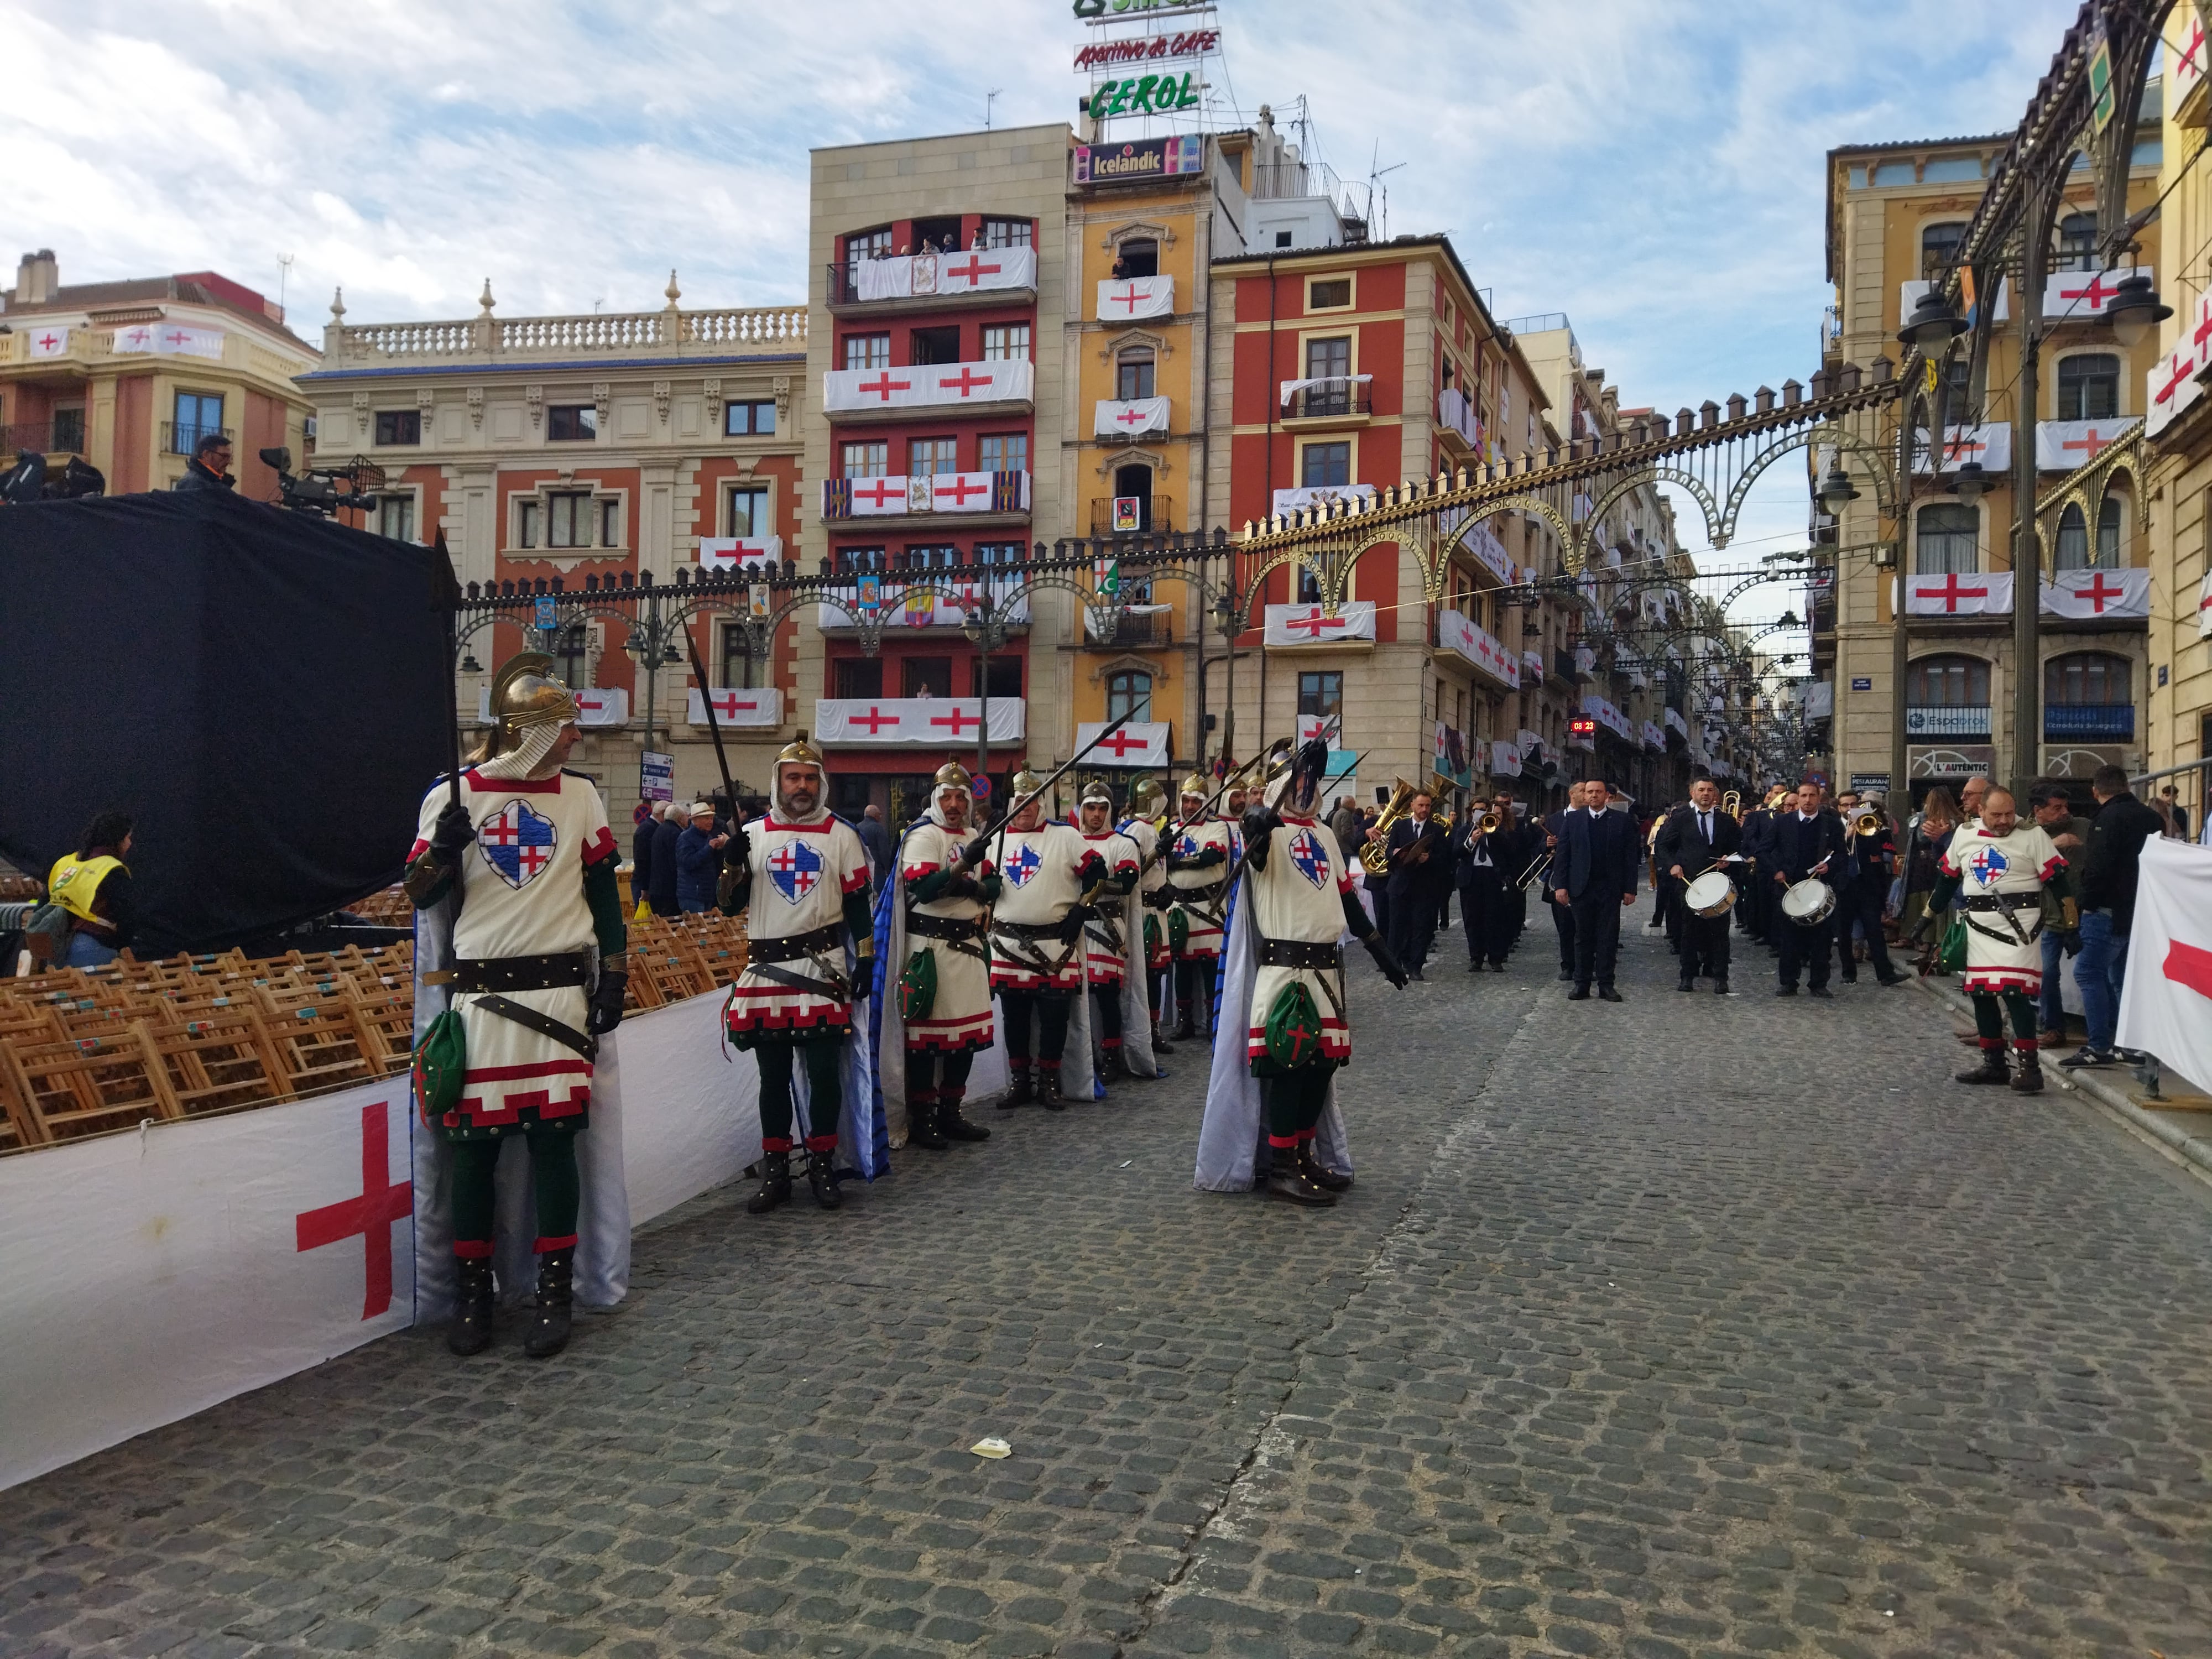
{"type": "Point", "coordinates": [1049, 1094]}
{"type": "Point", "coordinates": [824, 1180]}
{"type": "Point", "coordinates": [1184, 1030]}
{"type": "Point", "coordinates": [1161, 1042]}
{"type": "Point", "coordinates": [1688, 982]}
{"type": "Point", "coordinates": [922, 1128]}
{"type": "Point", "coordinates": [1991, 1070]}
{"type": "Point", "coordinates": [1018, 1091]}
{"type": "Point", "coordinates": [1287, 1181]}
{"type": "Point", "coordinates": [549, 1328]}
{"type": "Point", "coordinates": [775, 1184]}
{"type": "Point", "coordinates": [1720, 986]}
{"type": "Point", "coordinates": [1311, 1167]}
{"type": "Point", "coordinates": [1114, 1064]}
{"type": "Point", "coordinates": [471, 1331]}
{"type": "Point", "coordinates": [951, 1124]}
{"type": "Point", "coordinates": [2027, 1076]}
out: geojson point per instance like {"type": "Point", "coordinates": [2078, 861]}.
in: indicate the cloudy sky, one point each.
{"type": "Point", "coordinates": [1651, 168]}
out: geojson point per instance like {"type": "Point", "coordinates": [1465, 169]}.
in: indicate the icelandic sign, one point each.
{"type": "Point", "coordinates": [1151, 158]}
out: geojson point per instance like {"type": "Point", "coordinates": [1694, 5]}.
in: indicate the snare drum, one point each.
{"type": "Point", "coordinates": [1808, 902]}
{"type": "Point", "coordinates": [1710, 895]}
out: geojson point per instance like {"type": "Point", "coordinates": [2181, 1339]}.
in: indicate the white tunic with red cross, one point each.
{"type": "Point", "coordinates": [801, 874]}
{"type": "Point", "coordinates": [1204, 914]}
{"type": "Point", "coordinates": [1299, 896]}
{"type": "Point", "coordinates": [2016, 864]}
{"type": "Point", "coordinates": [522, 895]}
{"type": "Point", "coordinates": [1040, 866]}
{"type": "Point", "coordinates": [960, 1016]}
{"type": "Point", "coordinates": [1103, 962]}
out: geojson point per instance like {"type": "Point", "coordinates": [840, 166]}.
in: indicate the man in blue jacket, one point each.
{"type": "Point", "coordinates": [698, 860]}
{"type": "Point", "coordinates": [665, 839]}
{"type": "Point", "coordinates": [1594, 875]}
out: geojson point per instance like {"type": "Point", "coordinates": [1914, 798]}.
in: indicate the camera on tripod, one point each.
{"type": "Point", "coordinates": [316, 491]}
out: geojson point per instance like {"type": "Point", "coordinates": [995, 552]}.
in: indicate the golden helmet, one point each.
{"type": "Point", "coordinates": [799, 752]}
{"type": "Point", "coordinates": [952, 775]}
{"type": "Point", "coordinates": [1195, 785]}
{"type": "Point", "coordinates": [1094, 790]}
{"type": "Point", "coordinates": [1145, 798]}
{"type": "Point", "coordinates": [524, 694]}
{"type": "Point", "coordinates": [1025, 782]}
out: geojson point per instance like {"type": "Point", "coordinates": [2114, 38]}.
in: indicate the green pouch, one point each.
{"type": "Point", "coordinates": [1152, 934]}
{"type": "Point", "coordinates": [1951, 958]}
{"type": "Point", "coordinates": [1293, 1027]}
{"type": "Point", "coordinates": [441, 1062]}
{"type": "Point", "coordinates": [918, 986]}
{"type": "Point", "coordinates": [1178, 930]}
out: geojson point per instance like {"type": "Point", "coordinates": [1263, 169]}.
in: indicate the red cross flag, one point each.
{"type": "Point", "coordinates": [1311, 624]}
{"type": "Point", "coordinates": [761, 706]}
{"type": "Point", "coordinates": [2063, 446]}
{"type": "Point", "coordinates": [1140, 743]}
{"type": "Point", "coordinates": [49, 342]}
{"type": "Point", "coordinates": [2204, 607]}
{"type": "Point", "coordinates": [2166, 1004]}
{"type": "Point", "coordinates": [1124, 299]}
{"type": "Point", "coordinates": [2073, 295]}
{"type": "Point", "coordinates": [1986, 593]}
{"type": "Point", "coordinates": [1128, 417]}
{"type": "Point", "coordinates": [2097, 594]}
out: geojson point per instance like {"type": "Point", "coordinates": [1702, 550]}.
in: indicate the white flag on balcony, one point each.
{"type": "Point", "coordinates": [1120, 299]}
{"type": "Point", "coordinates": [48, 342]}
{"type": "Point", "coordinates": [599, 705]}
{"type": "Point", "coordinates": [1991, 444]}
{"type": "Point", "coordinates": [1982, 593]}
{"type": "Point", "coordinates": [729, 552]}
{"type": "Point", "coordinates": [1140, 743]}
{"type": "Point", "coordinates": [1308, 624]}
{"type": "Point", "coordinates": [169, 340]}
{"type": "Point", "coordinates": [945, 722]}
{"type": "Point", "coordinates": [845, 391]}
{"type": "Point", "coordinates": [1127, 417]}
{"type": "Point", "coordinates": [986, 268]}
{"type": "Point", "coordinates": [2097, 594]}
{"type": "Point", "coordinates": [2072, 295]}
{"type": "Point", "coordinates": [2204, 622]}
{"type": "Point", "coordinates": [760, 707]}
{"type": "Point", "coordinates": [2063, 446]}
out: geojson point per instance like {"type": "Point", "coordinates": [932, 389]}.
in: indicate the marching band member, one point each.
{"type": "Point", "coordinates": [1283, 987]}
{"type": "Point", "coordinates": [1862, 899]}
{"type": "Point", "coordinates": [1037, 941]}
{"type": "Point", "coordinates": [1693, 840]}
{"type": "Point", "coordinates": [1106, 932]}
{"type": "Point", "coordinates": [1806, 843]}
{"type": "Point", "coordinates": [2002, 868]}
{"type": "Point", "coordinates": [1563, 916]}
{"type": "Point", "coordinates": [1488, 863]}
{"type": "Point", "coordinates": [802, 873]}
{"type": "Point", "coordinates": [1198, 864]}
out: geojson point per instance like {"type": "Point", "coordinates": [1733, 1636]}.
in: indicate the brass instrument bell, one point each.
{"type": "Point", "coordinates": [1375, 853]}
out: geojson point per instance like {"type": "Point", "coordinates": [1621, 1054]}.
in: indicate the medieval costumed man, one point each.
{"type": "Point", "coordinates": [932, 1004]}
{"type": "Point", "coordinates": [1147, 817]}
{"type": "Point", "coordinates": [522, 868]}
{"type": "Point", "coordinates": [1036, 943]}
{"type": "Point", "coordinates": [1283, 985]}
{"type": "Point", "coordinates": [1112, 947]}
{"type": "Point", "coordinates": [1198, 878]}
{"type": "Point", "coordinates": [2003, 868]}
{"type": "Point", "coordinates": [803, 874]}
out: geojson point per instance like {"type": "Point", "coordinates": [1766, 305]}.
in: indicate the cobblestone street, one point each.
{"type": "Point", "coordinates": [1684, 1327]}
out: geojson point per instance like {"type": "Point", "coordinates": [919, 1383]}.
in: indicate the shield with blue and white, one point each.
{"type": "Point", "coordinates": [794, 867]}
{"type": "Point", "coordinates": [1022, 865]}
{"type": "Point", "coordinates": [517, 843]}
{"type": "Point", "coordinates": [1985, 864]}
{"type": "Point", "coordinates": [1308, 859]}
{"type": "Point", "coordinates": [1185, 845]}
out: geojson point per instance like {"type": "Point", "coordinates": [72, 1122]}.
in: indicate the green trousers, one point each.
{"type": "Point", "coordinates": [553, 1171]}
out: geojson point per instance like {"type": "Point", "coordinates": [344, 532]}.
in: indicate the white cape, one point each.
{"type": "Point", "coordinates": [1232, 1139]}
{"type": "Point", "coordinates": [1136, 1010]}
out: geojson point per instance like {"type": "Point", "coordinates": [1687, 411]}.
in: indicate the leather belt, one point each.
{"type": "Point", "coordinates": [792, 946]}
{"type": "Point", "coordinates": [2005, 902]}
{"type": "Point", "coordinates": [1298, 953]}
{"type": "Point", "coordinates": [1186, 895]}
{"type": "Point", "coordinates": [541, 973]}
{"type": "Point", "coordinates": [1029, 930]}
{"type": "Point", "coordinates": [918, 926]}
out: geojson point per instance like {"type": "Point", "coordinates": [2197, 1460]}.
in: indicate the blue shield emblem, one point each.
{"type": "Point", "coordinates": [1022, 865]}
{"type": "Point", "coordinates": [794, 867]}
{"type": "Point", "coordinates": [1986, 864]}
{"type": "Point", "coordinates": [517, 843]}
{"type": "Point", "coordinates": [1312, 863]}
{"type": "Point", "coordinates": [1185, 845]}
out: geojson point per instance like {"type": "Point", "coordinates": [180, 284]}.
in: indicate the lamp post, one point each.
{"type": "Point", "coordinates": [1225, 619]}
{"type": "Point", "coordinates": [986, 630]}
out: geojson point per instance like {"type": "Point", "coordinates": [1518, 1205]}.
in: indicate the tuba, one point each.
{"type": "Point", "coordinates": [1375, 853]}
{"type": "Point", "coordinates": [1732, 804]}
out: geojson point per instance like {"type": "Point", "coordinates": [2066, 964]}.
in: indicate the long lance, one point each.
{"type": "Point", "coordinates": [722, 759]}
{"type": "Point", "coordinates": [446, 598]}
{"type": "Point", "coordinates": [1169, 837]}
{"type": "Point", "coordinates": [1059, 772]}
{"type": "Point", "coordinates": [1244, 862]}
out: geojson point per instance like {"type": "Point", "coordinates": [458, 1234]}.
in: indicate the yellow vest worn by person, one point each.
{"type": "Point", "coordinates": [74, 885]}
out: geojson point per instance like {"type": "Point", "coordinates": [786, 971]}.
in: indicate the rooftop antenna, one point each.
{"type": "Point", "coordinates": [990, 98]}
{"type": "Point", "coordinates": [284, 277]}
{"type": "Point", "coordinates": [1378, 229]}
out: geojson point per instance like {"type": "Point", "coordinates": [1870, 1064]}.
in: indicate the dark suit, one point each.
{"type": "Point", "coordinates": [1597, 861]}
{"type": "Point", "coordinates": [1416, 880]}
{"type": "Point", "coordinates": [1682, 841]}
{"type": "Point", "coordinates": [1797, 845]}
{"type": "Point", "coordinates": [1758, 906]}
{"type": "Point", "coordinates": [1874, 861]}
{"type": "Point", "coordinates": [1487, 900]}
{"type": "Point", "coordinates": [1563, 918]}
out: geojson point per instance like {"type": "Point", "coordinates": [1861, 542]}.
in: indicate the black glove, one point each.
{"type": "Point", "coordinates": [607, 1001]}
{"type": "Point", "coordinates": [450, 836]}
{"type": "Point", "coordinates": [1092, 871]}
{"type": "Point", "coordinates": [1379, 949]}
{"type": "Point", "coordinates": [1071, 925]}
{"type": "Point", "coordinates": [1208, 859]}
{"type": "Point", "coordinates": [1260, 822]}
{"type": "Point", "coordinates": [975, 852]}
{"type": "Point", "coordinates": [2070, 940]}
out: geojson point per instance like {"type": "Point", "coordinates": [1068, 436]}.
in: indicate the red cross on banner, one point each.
{"type": "Point", "coordinates": [1132, 417]}
{"type": "Point", "coordinates": [966, 380]}
{"type": "Point", "coordinates": [727, 706]}
{"type": "Point", "coordinates": [1313, 623]}
{"type": "Point", "coordinates": [974, 270]}
{"type": "Point", "coordinates": [2183, 367]}
{"type": "Point", "coordinates": [880, 491]}
{"type": "Point", "coordinates": [885, 387]}
{"type": "Point", "coordinates": [2203, 330]}
{"type": "Point", "coordinates": [382, 1201]}
{"type": "Point", "coordinates": [875, 719]}
{"type": "Point", "coordinates": [1131, 297]}
{"type": "Point", "coordinates": [2192, 55]}
{"type": "Point", "coordinates": [2096, 293]}
{"type": "Point", "coordinates": [48, 341]}
{"type": "Point", "coordinates": [1962, 445]}
{"type": "Point", "coordinates": [2089, 441]}
{"type": "Point", "coordinates": [960, 489]}
{"type": "Point", "coordinates": [958, 719]}
{"type": "Point", "coordinates": [2187, 965]}
{"type": "Point", "coordinates": [1123, 742]}
{"type": "Point", "coordinates": [2096, 592]}
{"type": "Point", "coordinates": [1951, 593]}
{"type": "Point", "coordinates": [176, 339]}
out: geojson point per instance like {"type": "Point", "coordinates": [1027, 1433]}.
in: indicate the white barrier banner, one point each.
{"type": "Point", "coordinates": [2166, 1000]}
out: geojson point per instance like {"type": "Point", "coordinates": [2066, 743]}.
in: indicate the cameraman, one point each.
{"type": "Point", "coordinates": [209, 466]}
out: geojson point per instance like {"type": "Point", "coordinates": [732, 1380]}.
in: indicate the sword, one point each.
{"type": "Point", "coordinates": [743, 869]}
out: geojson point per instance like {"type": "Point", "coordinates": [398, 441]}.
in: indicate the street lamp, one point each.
{"type": "Point", "coordinates": [1933, 324]}
{"type": "Point", "coordinates": [2134, 309]}
{"type": "Point", "coordinates": [1837, 491]}
{"type": "Point", "coordinates": [1971, 482]}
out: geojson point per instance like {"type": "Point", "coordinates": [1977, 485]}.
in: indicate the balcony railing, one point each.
{"type": "Point", "coordinates": [782, 328]}
{"type": "Point", "coordinates": [1283, 181]}
{"type": "Point", "coordinates": [1136, 629]}
{"type": "Point", "coordinates": [1968, 719]}
{"type": "Point", "coordinates": [54, 437]}
{"type": "Point", "coordinates": [183, 437]}
{"type": "Point", "coordinates": [1335, 398]}
{"type": "Point", "coordinates": [2092, 722]}
{"type": "Point", "coordinates": [1108, 519]}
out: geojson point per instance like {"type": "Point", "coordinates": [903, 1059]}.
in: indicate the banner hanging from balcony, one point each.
{"type": "Point", "coordinates": [1654, 738]}
{"type": "Point", "coordinates": [2076, 295]}
{"type": "Point", "coordinates": [950, 723]}
{"type": "Point", "coordinates": [1120, 299]}
{"type": "Point", "coordinates": [1532, 667]}
{"type": "Point", "coordinates": [857, 390]}
{"type": "Point", "coordinates": [1599, 709]}
{"type": "Point", "coordinates": [731, 552]}
{"type": "Point", "coordinates": [1505, 760]}
{"type": "Point", "coordinates": [926, 274]}
{"type": "Point", "coordinates": [49, 342]}
{"type": "Point", "coordinates": [2170, 384]}
{"type": "Point", "coordinates": [1290, 501]}
{"type": "Point", "coordinates": [1340, 384]}
{"type": "Point", "coordinates": [1909, 292]}
{"type": "Point", "coordinates": [1455, 414]}
{"type": "Point", "coordinates": [169, 340]}
{"type": "Point", "coordinates": [2063, 446]}
{"type": "Point", "coordinates": [2112, 594]}
{"type": "Point", "coordinates": [1128, 418]}
{"type": "Point", "coordinates": [1991, 444]}
{"type": "Point", "coordinates": [1988, 593]}
{"type": "Point", "coordinates": [898, 493]}
{"type": "Point", "coordinates": [1308, 624]}
{"type": "Point", "coordinates": [1490, 553]}
{"type": "Point", "coordinates": [1458, 633]}
{"type": "Point", "coordinates": [761, 706]}
{"type": "Point", "coordinates": [896, 605]}
{"type": "Point", "coordinates": [1140, 743]}
{"type": "Point", "coordinates": [2204, 607]}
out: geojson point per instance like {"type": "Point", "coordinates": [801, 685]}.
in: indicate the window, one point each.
{"type": "Point", "coordinates": [2086, 677]}
{"type": "Point", "coordinates": [869, 244]}
{"type": "Point", "coordinates": [1006, 342]}
{"type": "Point", "coordinates": [999, 552]}
{"type": "Point", "coordinates": [1133, 372]}
{"type": "Point", "coordinates": [867, 351]}
{"type": "Point", "coordinates": [1948, 539]}
{"type": "Point", "coordinates": [749, 511]}
{"type": "Point", "coordinates": [572, 423]}
{"type": "Point", "coordinates": [395, 517]}
{"type": "Point", "coordinates": [610, 523]}
{"type": "Point", "coordinates": [850, 559]}
{"type": "Point", "coordinates": [1129, 693]}
{"type": "Point", "coordinates": [2088, 386]}
{"type": "Point", "coordinates": [1321, 696]}
{"type": "Point", "coordinates": [1008, 232]}
{"type": "Point", "coordinates": [2073, 553]}
{"type": "Point", "coordinates": [69, 430]}
{"type": "Point", "coordinates": [1138, 257]}
{"type": "Point", "coordinates": [1007, 451]}
{"type": "Point", "coordinates": [861, 676]}
{"type": "Point", "coordinates": [2077, 243]}
{"type": "Point", "coordinates": [572, 655]}
{"type": "Point", "coordinates": [934, 345]}
{"type": "Point", "coordinates": [932, 558]}
{"type": "Point", "coordinates": [942, 233]}
{"type": "Point", "coordinates": [932, 457]}
{"type": "Point", "coordinates": [198, 414]}
{"type": "Point", "coordinates": [568, 520]}
{"type": "Point", "coordinates": [1005, 677]}
{"type": "Point", "coordinates": [398, 425]}
{"type": "Point", "coordinates": [866, 460]}
{"type": "Point", "coordinates": [926, 677]}
{"type": "Point", "coordinates": [1328, 294]}
{"type": "Point", "coordinates": [1324, 465]}
{"type": "Point", "coordinates": [1282, 239]}
{"type": "Point", "coordinates": [748, 420]}
{"type": "Point", "coordinates": [1958, 391]}
{"type": "Point", "coordinates": [1948, 683]}
{"type": "Point", "coordinates": [1939, 248]}
{"type": "Point", "coordinates": [1329, 359]}
{"type": "Point", "coordinates": [525, 524]}
{"type": "Point", "coordinates": [741, 670]}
